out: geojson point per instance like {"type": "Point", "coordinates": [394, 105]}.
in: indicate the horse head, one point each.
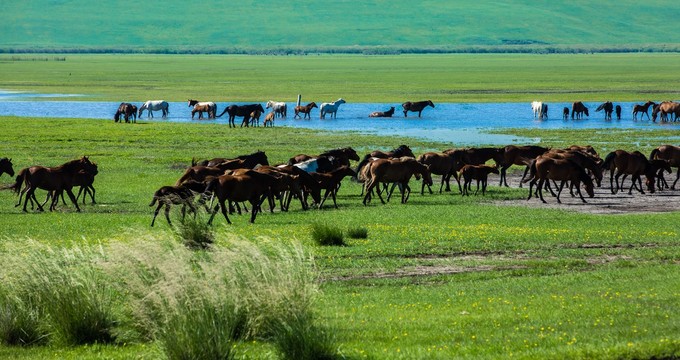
{"type": "Point", "coordinates": [351, 153]}
{"type": "Point", "coordinates": [6, 166]}
{"type": "Point", "coordinates": [312, 105]}
{"type": "Point", "coordinates": [403, 150]}
{"type": "Point", "coordinates": [340, 101]}
{"type": "Point", "coordinates": [427, 175]}
{"type": "Point", "coordinates": [430, 103]}
{"type": "Point", "coordinates": [585, 111]}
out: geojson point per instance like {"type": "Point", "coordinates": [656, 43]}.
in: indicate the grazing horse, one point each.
{"type": "Point", "coordinates": [305, 110]}
{"type": "Point", "coordinates": [330, 108]}
{"type": "Point", "coordinates": [251, 160]}
{"type": "Point", "coordinates": [479, 173]}
{"type": "Point", "coordinates": [440, 164]}
{"type": "Point", "coordinates": [154, 105]}
{"type": "Point", "coordinates": [518, 155]}
{"type": "Point", "coordinates": [666, 108]}
{"type": "Point", "coordinates": [387, 113]}
{"type": "Point", "coordinates": [250, 186]}
{"type": "Point", "coordinates": [269, 119]}
{"type": "Point", "coordinates": [127, 110]}
{"type": "Point", "coordinates": [400, 151]}
{"type": "Point", "coordinates": [279, 108]}
{"type": "Point", "coordinates": [637, 109]}
{"type": "Point", "coordinates": [617, 110]}
{"type": "Point", "coordinates": [6, 167]}
{"type": "Point", "coordinates": [565, 113]}
{"type": "Point", "coordinates": [240, 110]}
{"type": "Point", "coordinates": [416, 106]}
{"type": "Point", "coordinates": [608, 108]}
{"type": "Point", "coordinates": [398, 170]}
{"type": "Point", "coordinates": [634, 164]}
{"type": "Point", "coordinates": [540, 110]}
{"type": "Point", "coordinates": [671, 154]}
{"type": "Point", "coordinates": [331, 182]}
{"type": "Point", "coordinates": [202, 106]}
{"type": "Point", "coordinates": [578, 109]}
{"type": "Point", "coordinates": [546, 168]}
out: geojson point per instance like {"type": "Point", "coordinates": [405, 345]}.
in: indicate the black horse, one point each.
{"type": "Point", "coordinates": [241, 110]}
{"type": "Point", "coordinates": [387, 113]}
{"type": "Point", "coordinates": [608, 108]}
{"type": "Point", "coordinates": [416, 106]}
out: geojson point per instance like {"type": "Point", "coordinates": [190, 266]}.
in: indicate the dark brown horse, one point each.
{"type": "Point", "coordinates": [127, 110]}
{"type": "Point", "coordinates": [331, 182]}
{"type": "Point", "coordinates": [240, 110]}
{"type": "Point", "coordinates": [617, 110]}
{"type": "Point", "coordinates": [443, 164]}
{"type": "Point", "coordinates": [416, 106]}
{"type": "Point", "coordinates": [6, 167]}
{"type": "Point", "coordinates": [578, 109]}
{"type": "Point", "coordinates": [635, 164]}
{"type": "Point", "coordinates": [671, 154]}
{"type": "Point", "coordinates": [85, 180]}
{"type": "Point", "coordinates": [284, 186]}
{"type": "Point", "coordinates": [546, 168]}
{"type": "Point", "coordinates": [398, 170]}
{"type": "Point", "coordinates": [479, 173]}
{"type": "Point", "coordinates": [608, 108]}
{"type": "Point", "coordinates": [387, 113]}
{"type": "Point", "coordinates": [307, 183]}
{"type": "Point", "coordinates": [251, 186]}
{"type": "Point", "coordinates": [258, 157]}
{"type": "Point", "coordinates": [203, 106]}
{"type": "Point", "coordinates": [565, 113]}
{"type": "Point", "coordinates": [518, 155]}
{"type": "Point", "coordinates": [307, 109]}
{"type": "Point", "coordinates": [642, 109]}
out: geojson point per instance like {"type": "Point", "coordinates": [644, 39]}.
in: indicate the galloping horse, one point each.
{"type": "Point", "coordinates": [201, 107]}
{"type": "Point", "coordinates": [397, 170]}
{"type": "Point", "coordinates": [6, 166]}
{"type": "Point", "coordinates": [330, 108]}
{"type": "Point", "coordinates": [635, 164]}
{"type": "Point", "coordinates": [671, 154]}
{"type": "Point", "coordinates": [240, 110]}
{"type": "Point", "coordinates": [540, 109]}
{"type": "Point", "coordinates": [578, 109]}
{"type": "Point", "coordinates": [169, 195]}
{"type": "Point", "coordinates": [305, 110]}
{"type": "Point", "coordinates": [387, 113]}
{"type": "Point", "coordinates": [279, 108]}
{"type": "Point", "coordinates": [127, 110]}
{"type": "Point", "coordinates": [416, 106]}
{"type": "Point", "coordinates": [546, 168]}
{"type": "Point", "coordinates": [642, 109]}
{"type": "Point", "coordinates": [608, 108]}
{"type": "Point", "coordinates": [154, 105]}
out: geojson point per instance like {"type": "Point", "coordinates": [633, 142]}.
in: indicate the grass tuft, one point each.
{"type": "Point", "coordinates": [357, 233]}
{"type": "Point", "coordinates": [195, 234]}
{"type": "Point", "coordinates": [326, 235]}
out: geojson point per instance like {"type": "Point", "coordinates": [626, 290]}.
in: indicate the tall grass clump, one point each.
{"type": "Point", "coordinates": [357, 232]}
{"type": "Point", "coordinates": [20, 322]}
{"type": "Point", "coordinates": [326, 235]}
{"type": "Point", "coordinates": [195, 233]}
{"type": "Point", "coordinates": [65, 285]}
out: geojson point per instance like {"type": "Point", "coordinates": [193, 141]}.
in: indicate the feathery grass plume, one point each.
{"type": "Point", "coordinates": [357, 233]}
{"type": "Point", "coordinates": [20, 322]}
{"type": "Point", "coordinates": [327, 235]}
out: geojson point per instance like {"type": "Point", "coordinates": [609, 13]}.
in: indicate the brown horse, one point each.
{"type": "Point", "coordinates": [308, 184]}
{"type": "Point", "coordinates": [395, 171]}
{"type": "Point", "coordinates": [269, 119]}
{"type": "Point", "coordinates": [251, 186]}
{"type": "Point", "coordinates": [617, 109]}
{"type": "Point", "coordinates": [440, 164]}
{"type": "Point", "coordinates": [479, 173]}
{"type": "Point", "coordinates": [331, 182]}
{"type": "Point", "coordinates": [169, 195]}
{"type": "Point", "coordinates": [127, 110]}
{"type": "Point", "coordinates": [85, 180]}
{"type": "Point", "coordinates": [6, 167]}
{"type": "Point", "coordinates": [387, 113]}
{"type": "Point", "coordinates": [241, 110]}
{"type": "Point", "coordinates": [671, 154]}
{"type": "Point", "coordinates": [608, 108]}
{"type": "Point", "coordinates": [644, 108]}
{"type": "Point", "coordinates": [258, 157]}
{"type": "Point", "coordinates": [307, 109]}
{"type": "Point", "coordinates": [284, 186]}
{"type": "Point", "coordinates": [400, 151]}
{"type": "Point", "coordinates": [416, 106]}
{"type": "Point", "coordinates": [666, 108]}
{"type": "Point", "coordinates": [518, 155]}
{"type": "Point", "coordinates": [563, 170]}
{"type": "Point", "coordinates": [634, 164]}
{"type": "Point", "coordinates": [578, 109]}
{"type": "Point", "coordinates": [201, 107]}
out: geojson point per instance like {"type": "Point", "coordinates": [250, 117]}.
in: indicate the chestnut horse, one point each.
{"type": "Point", "coordinates": [644, 108]}
{"type": "Point", "coordinates": [398, 171]}
{"type": "Point", "coordinates": [608, 108]}
{"type": "Point", "coordinates": [251, 186]}
{"type": "Point", "coordinates": [578, 109]}
{"type": "Point", "coordinates": [479, 173]}
{"type": "Point", "coordinates": [307, 109]}
{"type": "Point", "coordinates": [6, 167]}
{"type": "Point", "coordinates": [666, 108]}
{"type": "Point", "coordinates": [202, 106]}
{"type": "Point", "coordinates": [518, 155]}
{"type": "Point", "coordinates": [634, 164]}
{"type": "Point", "coordinates": [240, 110]}
{"type": "Point", "coordinates": [387, 113]}
{"type": "Point", "coordinates": [546, 168]}
{"type": "Point", "coordinates": [443, 164]}
{"type": "Point", "coordinates": [127, 110]}
{"type": "Point", "coordinates": [671, 154]}
{"type": "Point", "coordinates": [416, 106]}
{"type": "Point", "coordinates": [400, 151]}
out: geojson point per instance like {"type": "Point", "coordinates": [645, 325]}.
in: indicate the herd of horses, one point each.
{"type": "Point", "coordinates": [665, 110]}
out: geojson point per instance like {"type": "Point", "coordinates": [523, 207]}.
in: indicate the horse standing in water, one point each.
{"type": "Point", "coordinates": [127, 110]}
{"type": "Point", "coordinates": [201, 107]}
{"type": "Point", "coordinates": [305, 110]}
{"type": "Point", "coordinates": [608, 108]}
{"type": "Point", "coordinates": [241, 110]}
{"type": "Point", "coordinates": [540, 110]}
{"type": "Point", "coordinates": [644, 108]}
{"type": "Point", "coordinates": [416, 106]}
{"type": "Point", "coordinates": [565, 113]}
{"type": "Point", "coordinates": [154, 105]}
{"type": "Point", "coordinates": [330, 108]}
{"type": "Point", "coordinates": [577, 110]}
{"type": "Point", "coordinates": [280, 108]}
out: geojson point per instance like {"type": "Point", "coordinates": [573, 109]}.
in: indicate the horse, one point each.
{"type": "Point", "coordinates": [546, 168]}
{"type": "Point", "coordinates": [169, 195]}
{"type": "Point", "coordinates": [201, 107]}
{"type": "Point", "coordinates": [671, 154]}
{"type": "Point", "coordinates": [254, 118]}
{"type": "Point", "coordinates": [279, 108]}
{"type": "Point", "coordinates": [397, 170]}
{"type": "Point", "coordinates": [608, 108]}
{"type": "Point", "coordinates": [321, 164]}
{"type": "Point", "coordinates": [308, 184]}
{"type": "Point", "coordinates": [305, 110]}
{"type": "Point", "coordinates": [479, 173]}
{"type": "Point", "coordinates": [443, 164]}
{"type": "Point", "coordinates": [240, 110]}
{"type": "Point", "coordinates": [269, 119]}
{"type": "Point", "coordinates": [583, 159]}
{"type": "Point", "coordinates": [565, 113]}
{"type": "Point", "coordinates": [666, 108]}
{"type": "Point", "coordinates": [634, 164]}
{"type": "Point", "coordinates": [154, 105]}
{"type": "Point", "coordinates": [127, 110]}
{"type": "Point", "coordinates": [540, 109]}
{"type": "Point", "coordinates": [331, 182]}
{"type": "Point", "coordinates": [400, 151]}
{"type": "Point", "coordinates": [642, 109]}
{"type": "Point", "coordinates": [6, 167]}
{"type": "Point", "coordinates": [617, 110]}
{"type": "Point", "coordinates": [342, 155]}
{"type": "Point", "coordinates": [387, 113]}
{"type": "Point", "coordinates": [258, 157]}
{"type": "Point", "coordinates": [250, 186]}
{"type": "Point", "coordinates": [578, 109]}
{"type": "Point", "coordinates": [85, 180]}
{"type": "Point", "coordinates": [330, 108]}
{"type": "Point", "coordinates": [416, 106]}
{"type": "Point", "coordinates": [285, 185]}
{"type": "Point", "coordinates": [518, 155]}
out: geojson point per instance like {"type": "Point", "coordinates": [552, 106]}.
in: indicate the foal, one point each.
{"type": "Point", "coordinates": [479, 173]}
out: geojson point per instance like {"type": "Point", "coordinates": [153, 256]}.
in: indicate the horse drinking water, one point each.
{"type": "Point", "coordinates": [154, 105]}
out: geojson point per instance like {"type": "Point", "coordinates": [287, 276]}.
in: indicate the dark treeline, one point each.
{"type": "Point", "coordinates": [365, 50]}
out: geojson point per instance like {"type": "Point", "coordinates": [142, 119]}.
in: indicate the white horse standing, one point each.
{"type": "Point", "coordinates": [154, 105]}
{"type": "Point", "coordinates": [280, 108]}
{"type": "Point", "coordinates": [540, 110]}
{"type": "Point", "coordinates": [330, 108]}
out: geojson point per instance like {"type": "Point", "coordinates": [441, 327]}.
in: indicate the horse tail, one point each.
{"type": "Point", "coordinates": [225, 110]}
{"type": "Point", "coordinates": [532, 171]}
{"type": "Point", "coordinates": [608, 160]}
{"type": "Point", "coordinates": [16, 187]}
{"type": "Point", "coordinates": [653, 154]}
{"type": "Point", "coordinates": [153, 202]}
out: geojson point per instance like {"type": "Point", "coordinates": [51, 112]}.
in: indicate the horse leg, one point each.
{"type": "Point", "coordinates": [578, 190]}
{"type": "Point", "coordinates": [677, 177]}
{"type": "Point", "coordinates": [155, 213]}
{"type": "Point", "coordinates": [325, 196]}
{"type": "Point", "coordinates": [253, 214]}
{"type": "Point", "coordinates": [334, 193]}
{"type": "Point", "coordinates": [484, 183]}
{"type": "Point", "coordinates": [540, 190]}
{"type": "Point", "coordinates": [559, 192]}
{"type": "Point", "coordinates": [526, 171]}
{"type": "Point", "coordinates": [73, 199]}
{"type": "Point", "coordinates": [222, 207]}
{"type": "Point", "coordinates": [369, 187]}
{"type": "Point", "coordinates": [407, 191]}
{"type": "Point", "coordinates": [167, 212]}
{"type": "Point", "coordinates": [531, 186]}
{"type": "Point", "coordinates": [477, 190]}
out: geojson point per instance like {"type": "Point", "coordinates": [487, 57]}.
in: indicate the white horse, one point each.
{"type": "Point", "coordinates": [330, 108]}
{"type": "Point", "coordinates": [540, 110]}
{"type": "Point", "coordinates": [280, 108]}
{"type": "Point", "coordinates": [154, 105]}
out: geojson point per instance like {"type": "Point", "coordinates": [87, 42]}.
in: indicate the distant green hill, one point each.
{"type": "Point", "coordinates": [340, 25]}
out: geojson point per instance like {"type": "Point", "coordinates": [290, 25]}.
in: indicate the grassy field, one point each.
{"type": "Point", "coordinates": [440, 277]}
{"type": "Point", "coordinates": [316, 25]}
{"type": "Point", "coordinates": [356, 78]}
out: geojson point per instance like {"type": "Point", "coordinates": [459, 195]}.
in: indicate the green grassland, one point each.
{"type": "Point", "coordinates": [441, 277]}
{"type": "Point", "coordinates": [343, 25]}
{"type": "Point", "coordinates": [356, 78]}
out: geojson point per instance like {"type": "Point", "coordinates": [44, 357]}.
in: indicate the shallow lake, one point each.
{"type": "Point", "coordinates": [455, 123]}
